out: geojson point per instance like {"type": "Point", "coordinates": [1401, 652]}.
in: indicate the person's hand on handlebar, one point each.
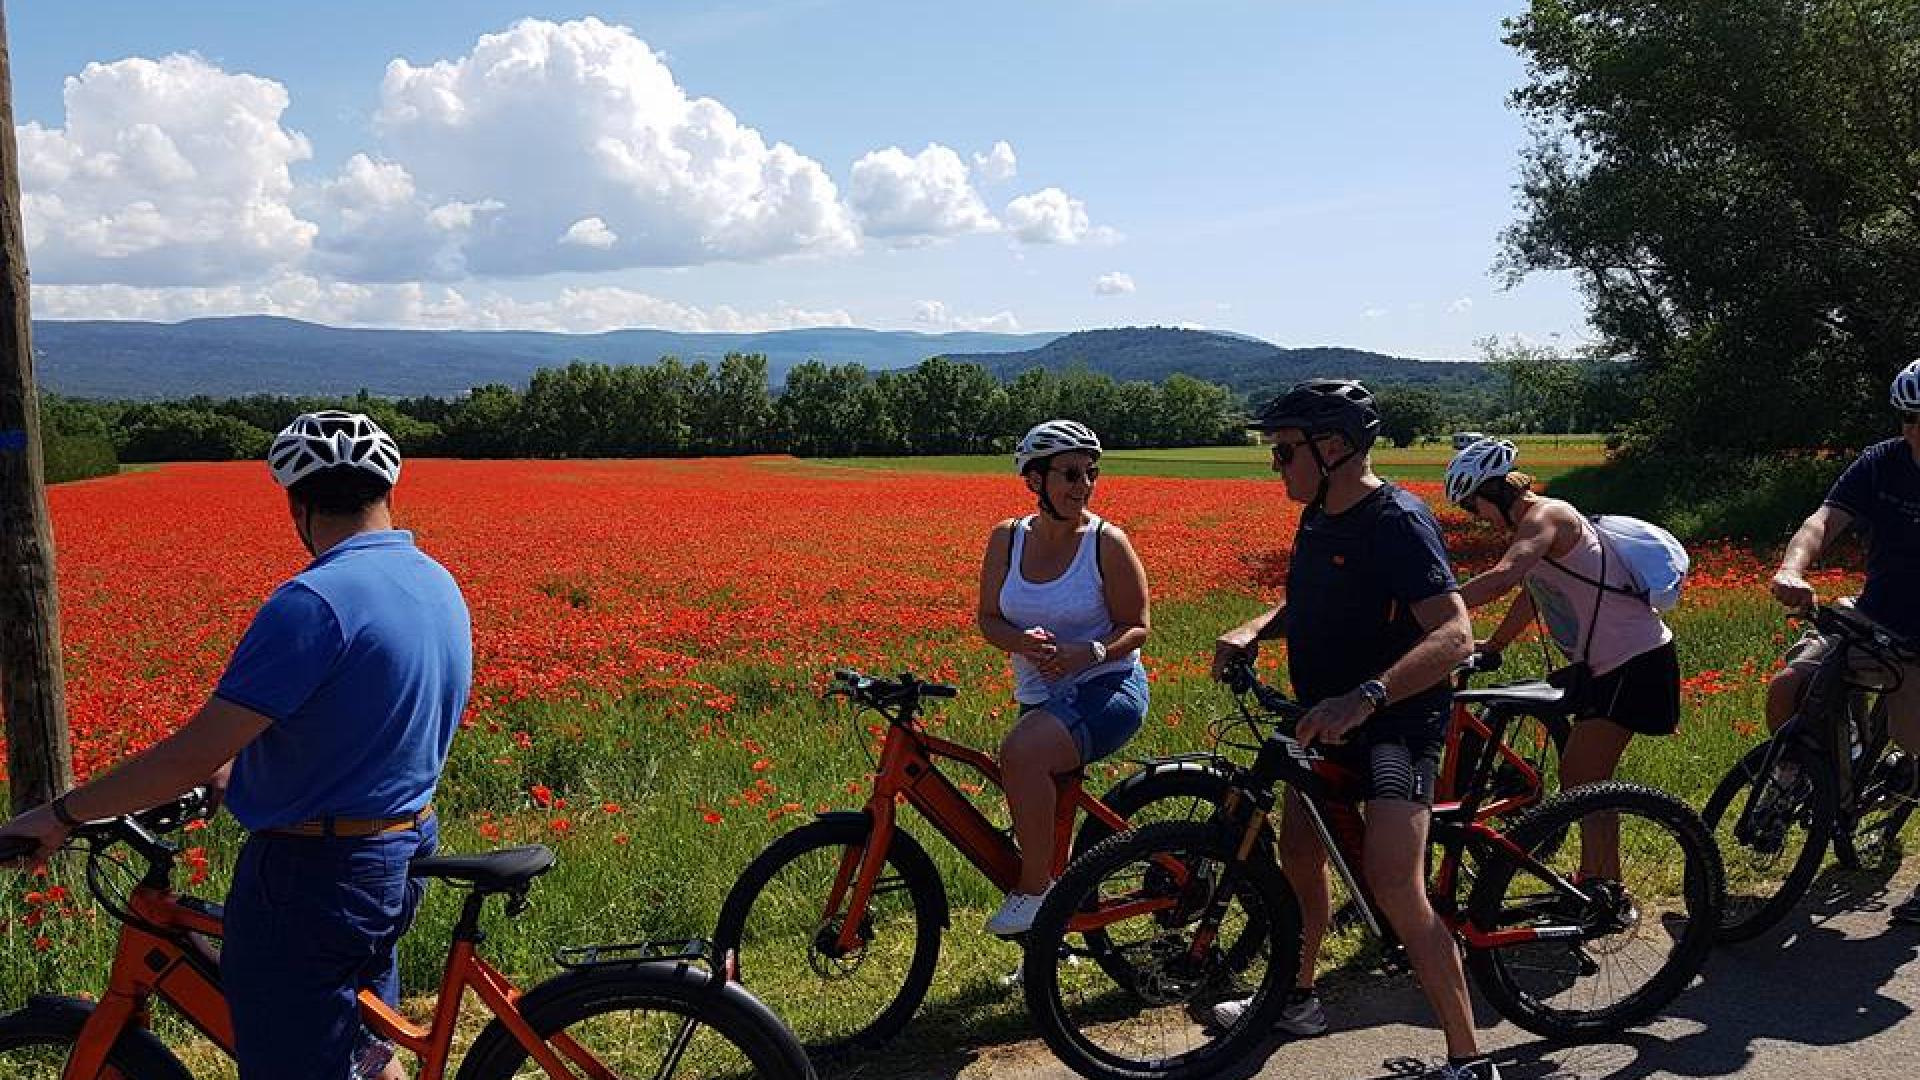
{"type": "Point", "coordinates": [40, 826]}
{"type": "Point", "coordinates": [1231, 648]}
{"type": "Point", "coordinates": [1793, 591]}
{"type": "Point", "coordinates": [1331, 720]}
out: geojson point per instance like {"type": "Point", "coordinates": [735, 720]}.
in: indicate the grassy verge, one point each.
{"type": "Point", "coordinates": [1546, 456]}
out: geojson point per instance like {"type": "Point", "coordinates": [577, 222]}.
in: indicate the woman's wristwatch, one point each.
{"type": "Point", "coordinates": [1099, 651]}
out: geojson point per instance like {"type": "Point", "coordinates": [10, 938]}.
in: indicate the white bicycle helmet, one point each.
{"type": "Point", "coordinates": [1480, 462]}
{"type": "Point", "coordinates": [1906, 388]}
{"type": "Point", "coordinates": [330, 439]}
{"type": "Point", "coordinates": [1055, 437]}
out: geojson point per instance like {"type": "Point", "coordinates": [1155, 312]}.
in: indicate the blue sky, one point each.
{"type": "Point", "coordinates": [1310, 174]}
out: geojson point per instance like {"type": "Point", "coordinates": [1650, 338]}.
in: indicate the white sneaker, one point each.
{"type": "Point", "coordinates": [1300, 1015]}
{"type": "Point", "coordinates": [1015, 915]}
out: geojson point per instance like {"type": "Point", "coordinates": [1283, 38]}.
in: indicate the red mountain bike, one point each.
{"type": "Point", "coordinates": [1174, 903]}
{"type": "Point", "coordinates": [642, 1010]}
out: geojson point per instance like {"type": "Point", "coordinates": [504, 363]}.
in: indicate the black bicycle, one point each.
{"type": "Point", "coordinates": [1829, 776]}
{"type": "Point", "coordinates": [1199, 912]}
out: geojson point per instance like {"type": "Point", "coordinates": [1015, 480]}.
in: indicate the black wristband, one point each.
{"type": "Point", "coordinates": [61, 815]}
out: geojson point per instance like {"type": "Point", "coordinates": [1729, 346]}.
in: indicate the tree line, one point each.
{"type": "Point", "coordinates": [672, 408]}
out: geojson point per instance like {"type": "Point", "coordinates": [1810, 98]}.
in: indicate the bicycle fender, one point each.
{"type": "Point", "coordinates": [913, 858]}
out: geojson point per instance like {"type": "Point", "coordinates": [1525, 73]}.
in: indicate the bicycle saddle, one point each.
{"type": "Point", "coordinates": [1537, 696]}
{"type": "Point", "coordinates": [506, 870]}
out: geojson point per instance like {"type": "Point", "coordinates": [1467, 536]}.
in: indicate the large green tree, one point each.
{"type": "Point", "coordinates": [1736, 184]}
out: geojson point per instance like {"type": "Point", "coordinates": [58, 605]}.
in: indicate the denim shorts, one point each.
{"type": "Point", "coordinates": [309, 922]}
{"type": "Point", "coordinates": [1101, 713]}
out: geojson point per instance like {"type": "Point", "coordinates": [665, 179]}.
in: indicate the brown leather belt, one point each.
{"type": "Point", "coordinates": [352, 827]}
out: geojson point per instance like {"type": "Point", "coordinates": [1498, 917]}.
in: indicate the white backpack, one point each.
{"type": "Point", "coordinates": [1655, 560]}
{"type": "Point", "coordinates": [1653, 556]}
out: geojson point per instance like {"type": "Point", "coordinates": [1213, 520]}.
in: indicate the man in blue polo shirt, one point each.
{"type": "Point", "coordinates": [1879, 494]}
{"type": "Point", "coordinates": [333, 719]}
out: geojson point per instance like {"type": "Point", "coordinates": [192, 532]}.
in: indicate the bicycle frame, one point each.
{"type": "Point", "coordinates": [166, 955]}
{"type": "Point", "coordinates": [908, 774]}
{"type": "Point", "coordinates": [1326, 791]}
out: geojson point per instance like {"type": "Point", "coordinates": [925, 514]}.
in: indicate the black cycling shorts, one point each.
{"type": "Point", "coordinates": [1391, 768]}
{"type": "Point", "coordinates": [1641, 695]}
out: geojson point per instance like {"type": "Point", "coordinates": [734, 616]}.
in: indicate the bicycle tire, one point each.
{"type": "Point", "coordinates": [1057, 1022]}
{"type": "Point", "coordinates": [1880, 813]}
{"type": "Point", "coordinates": [1757, 896]}
{"type": "Point", "coordinates": [52, 1024]}
{"type": "Point", "coordinates": [762, 967]}
{"type": "Point", "coordinates": [1500, 972]}
{"type": "Point", "coordinates": [687, 1002]}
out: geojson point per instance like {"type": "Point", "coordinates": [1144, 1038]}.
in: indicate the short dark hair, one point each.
{"type": "Point", "coordinates": [342, 489]}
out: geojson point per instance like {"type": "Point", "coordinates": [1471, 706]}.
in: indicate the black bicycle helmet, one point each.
{"type": "Point", "coordinates": [1321, 406]}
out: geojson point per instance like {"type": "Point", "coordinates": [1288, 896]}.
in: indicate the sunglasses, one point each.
{"type": "Point", "coordinates": [1074, 476]}
{"type": "Point", "coordinates": [1283, 452]}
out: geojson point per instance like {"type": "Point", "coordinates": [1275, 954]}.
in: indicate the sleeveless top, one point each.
{"type": "Point", "coordinates": [1621, 628]}
{"type": "Point", "coordinates": [1073, 606]}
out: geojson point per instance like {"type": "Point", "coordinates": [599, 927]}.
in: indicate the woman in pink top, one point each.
{"type": "Point", "coordinates": [1624, 676]}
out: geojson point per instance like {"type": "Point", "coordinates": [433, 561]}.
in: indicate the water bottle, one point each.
{"type": "Point", "coordinates": [370, 1056]}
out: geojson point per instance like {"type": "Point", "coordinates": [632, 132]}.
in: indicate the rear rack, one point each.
{"type": "Point", "coordinates": [634, 952]}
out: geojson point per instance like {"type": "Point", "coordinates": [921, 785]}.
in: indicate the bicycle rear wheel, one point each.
{"type": "Point", "coordinates": [1638, 940]}
{"type": "Point", "coordinates": [1154, 1020]}
{"type": "Point", "coordinates": [662, 1021]}
{"type": "Point", "coordinates": [1772, 828]}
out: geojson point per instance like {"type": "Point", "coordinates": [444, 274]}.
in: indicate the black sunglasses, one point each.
{"type": "Point", "coordinates": [1283, 451]}
{"type": "Point", "coordinates": [1074, 476]}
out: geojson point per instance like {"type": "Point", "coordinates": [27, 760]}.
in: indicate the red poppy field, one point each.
{"type": "Point", "coordinates": [650, 637]}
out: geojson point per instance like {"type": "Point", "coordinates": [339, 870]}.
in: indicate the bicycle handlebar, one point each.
{"type": "Point", "coordinates": [1848, 623]}
{"type": "Point", "coordinates": [140, 829]}
{"type": "Point", "coordinates": [904, 690]}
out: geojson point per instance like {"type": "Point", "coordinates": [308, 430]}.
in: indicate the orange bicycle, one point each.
{"type": "Point", "coordinates": [647, 1009]}
{"type": "Point", "coordinates": [845, 913]}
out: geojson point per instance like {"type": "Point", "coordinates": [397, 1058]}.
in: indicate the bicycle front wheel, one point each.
{"type": "Point", "coordinates": [1636, 942]}
{"type": "Point", "coordinates": [661, 1021]}
{"type": "Point", "coordinates": [1772, 828]}
{"type": "Point", "coordinates": [36, 1041]}
{"type": "Point", "coordinates": [783, 921]}
{"type": "Point", "coordinates": [1177, 1004]}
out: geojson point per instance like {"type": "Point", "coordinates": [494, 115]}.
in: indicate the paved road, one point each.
{"type": "Point", "coordinates": [1830, 995]}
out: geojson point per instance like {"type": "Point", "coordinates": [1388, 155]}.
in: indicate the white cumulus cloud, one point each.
{"type": "Point", "coordinates": [590, 232]}
{"type": "Point", "coordinates": [564, 121]}
{"type": "Point", "coordinates": [1051, 216]}
{"type": "Point", "coordinates": [927, 196]}
{"type": "Point", "coordinates": [1461, 306]}
{"type": "Point", "coordinates": [997, 164]}
{"type": "Point", "coordinates": [165, 171]}
{"type": "Point", "coordinates": [935, 315]}
{"type": "Point", "coordinates": [1114, 284]}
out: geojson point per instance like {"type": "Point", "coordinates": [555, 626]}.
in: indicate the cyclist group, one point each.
{"type": "Point", "coordinates": [329, 730]}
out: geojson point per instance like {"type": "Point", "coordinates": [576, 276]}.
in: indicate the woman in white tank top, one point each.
{"type": "Point", "coordinates": [1064, 596]}
{"type": "Point", "coordinates": [1623, 674]}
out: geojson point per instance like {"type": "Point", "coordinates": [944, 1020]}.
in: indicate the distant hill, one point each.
{"type": "Point", "coordinates": [230, 357]}
{"type": "Point", "coordinates": [1247, 365]}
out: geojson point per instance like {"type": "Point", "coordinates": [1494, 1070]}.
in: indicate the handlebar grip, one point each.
{"type": "Point", "coordinates": [1486, 660]}
{"type": "Point", "coordinates": [847, 675]}
{"type": "Point", "coordinates": [17, 847]}
{"type": "Point", "coordinates": [939, 690]}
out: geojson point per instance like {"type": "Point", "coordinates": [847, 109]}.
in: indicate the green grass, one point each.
{"type": "Point", "coordinates": [656, 869]}
{"type": "Point", "coordinates": [1545, 456]}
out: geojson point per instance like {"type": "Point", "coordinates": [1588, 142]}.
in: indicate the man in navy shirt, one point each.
{"type": "Point", "coordinates": [1879, 494]}
{"type": "Point", "coordinates": [1374, 623]}
{"type": "Point", "coordinates": [329, 731]}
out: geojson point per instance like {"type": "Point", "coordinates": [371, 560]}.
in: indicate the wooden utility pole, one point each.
{"type": "Point", "coordinates": [33, 689]}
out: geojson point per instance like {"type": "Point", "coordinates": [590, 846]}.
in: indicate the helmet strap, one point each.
{"type": "Point", "coordinates": [1326, 472]}
{"type": "Point", "coordinates": [306, 529]}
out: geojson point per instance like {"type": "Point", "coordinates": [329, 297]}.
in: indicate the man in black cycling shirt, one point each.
{"type": "Point", "coordinates": [1373, 623]}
